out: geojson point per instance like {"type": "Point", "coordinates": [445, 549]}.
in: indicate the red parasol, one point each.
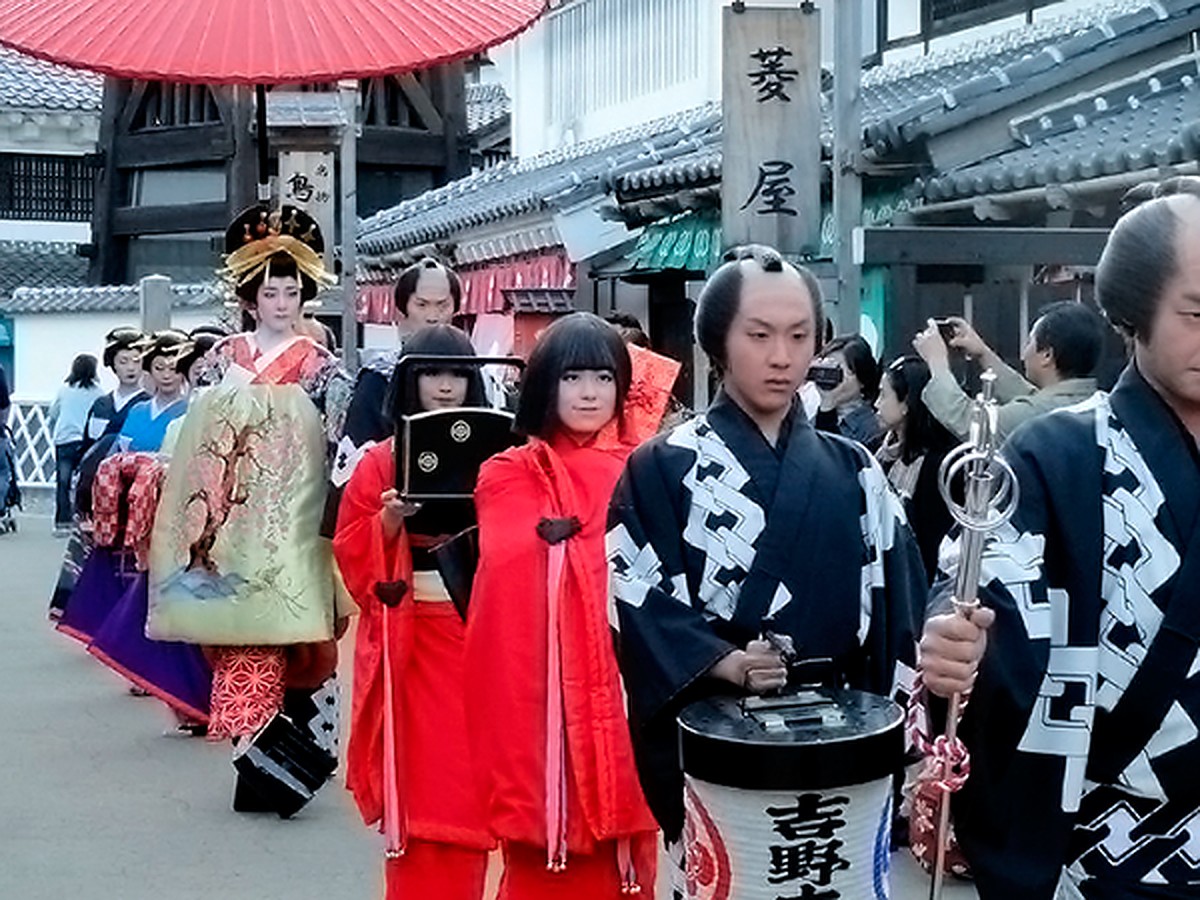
{"type": "Point", "coordinates": [259, 41]}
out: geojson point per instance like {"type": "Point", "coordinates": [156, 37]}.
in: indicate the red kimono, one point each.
{"type": "Point", "coordinates": [441, 823]}
{"type": "Point", "coordinates": [546, 712]}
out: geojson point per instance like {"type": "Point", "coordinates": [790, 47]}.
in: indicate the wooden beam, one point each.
{"type": "Point", "coordinates": [132, 101]}
{"type": "Point", "coordinates": [183, 217]}
{"type": "Point", "coordinates": [379, 146]}
{"type": "Point", "coordinates": [952, 245]}
{"type": "Point", "coordinates": [173, 146]}
{"type": "Point", "coordinates": [108, 264]}
{"type": "Point", "coordinates": [416, 94]}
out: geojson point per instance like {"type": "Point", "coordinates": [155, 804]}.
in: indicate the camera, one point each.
{"type": "Point", "coordinates": [947, 328]}
{"type": "Point", "coordinates": [826, 376]}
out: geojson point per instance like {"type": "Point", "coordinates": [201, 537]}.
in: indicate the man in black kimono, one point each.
{"type": "Point", "coordinates": [1084, 715]}
{"type": "Point", "coordinates": [745, 529]}
{"type": "Point", "coordinates": [427, 293]}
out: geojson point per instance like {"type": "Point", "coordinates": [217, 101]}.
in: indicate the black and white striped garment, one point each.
{"type": "Point", "coordinates": [1084, 725]}
{"type": "Point", "coordinates": [717, 537]}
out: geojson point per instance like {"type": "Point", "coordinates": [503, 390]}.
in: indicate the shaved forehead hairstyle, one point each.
{"type": "Point", "coordinates": [722, 296]}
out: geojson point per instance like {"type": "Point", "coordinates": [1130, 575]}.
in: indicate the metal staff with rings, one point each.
{"type": "Point", "coordinates": [989, 497]}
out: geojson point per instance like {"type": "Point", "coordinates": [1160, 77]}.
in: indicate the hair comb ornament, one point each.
{"type": "Point", "coordinates": [258, 234]}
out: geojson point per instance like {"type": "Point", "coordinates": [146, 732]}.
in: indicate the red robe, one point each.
{"type": "Point", "coordinates": [434, 776]}
{"type": "Point", "coordinates": [507, 650]}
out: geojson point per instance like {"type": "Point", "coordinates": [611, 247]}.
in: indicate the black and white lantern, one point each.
{"type": "Point", "coordinates": [791, 796]}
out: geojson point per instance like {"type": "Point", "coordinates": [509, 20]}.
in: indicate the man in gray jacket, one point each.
{"type": "Point", "coordinates": [1059, 358]}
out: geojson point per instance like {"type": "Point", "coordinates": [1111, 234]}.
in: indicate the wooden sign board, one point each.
{"type": "Point", "coordinates": [306, 180]}
{"type": "Point", "coordinates": [771, 173]}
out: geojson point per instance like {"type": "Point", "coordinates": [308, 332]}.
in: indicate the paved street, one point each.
{"type": "Point", "coordinates": [97, 803]}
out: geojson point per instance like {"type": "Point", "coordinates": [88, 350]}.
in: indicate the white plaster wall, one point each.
{"type": "Point", "coordinates": [44, 346]}
{"type": "Point", "coordinates": [522, 66]}
{"type": "Point", "coordinates": [67, 232]}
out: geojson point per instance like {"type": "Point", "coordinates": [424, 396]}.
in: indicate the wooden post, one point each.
{"type": "Point", "coordinates": [348, 159]}
{"type": "Point", "coordinates": [771, 82]}
{"type": "Point", "coordinates": [847, 150]}
{"type": "Point", "coordinates": [108, 263]}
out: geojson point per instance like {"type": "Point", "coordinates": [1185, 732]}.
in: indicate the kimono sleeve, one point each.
{"type": "Point", "coordinates": [895, 589]}
{"type": "Point", "coordinates": [664, 643]}
{"type": "Point", "coordinates": [363, 556]}
{"type": "Point", "coordinates": [1027, 725]}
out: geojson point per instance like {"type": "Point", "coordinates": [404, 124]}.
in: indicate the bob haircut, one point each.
{"type": "Point", "coordinates": [578, 341]}
{"type": "Point", "coordinates": [1140, 257]}
{"type": "Point", "coordinates": [121, 339]}
{"type": "Point", "coordinates": [83, 371]}
{"type": "Point", "coordinates": [280, 265]}
{"type": "Point", "coordinates": [433, 340]}
{"type": "Point", "coordinates": [908, 376]}
{"type": "Point", "coordinates": [406, 286]}
{"type": "Point", "coordinates": [722, 295]}
{"type": "Point", "coordinates": [859, 360]}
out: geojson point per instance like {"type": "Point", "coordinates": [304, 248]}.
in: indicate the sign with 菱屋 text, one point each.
{"type": "Point", "coordinates": [771, 143]}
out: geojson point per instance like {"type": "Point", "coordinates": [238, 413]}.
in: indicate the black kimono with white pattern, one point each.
{"type": "Point", "coordinates": [716, 537]}
{"type": "Point", "coordinates": [1082, 581]}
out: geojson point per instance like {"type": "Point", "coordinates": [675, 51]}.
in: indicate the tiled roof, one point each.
{"type": "Point", "coordinates": [40, 264]}
{"type": "Point", "coordinates": [899, 106]}
{"type": "Point", "coordinates": [520, 186]}
{"type": "Point", "coordinates": [1141, 123]}
{"type": "Point", "coordinates": [913, 90]}
{"type": "Point", "coordinates": [487, 104]}
{"type": "Point", "coordinates": [305, 109]}
{"type": "Point", "coordinates": [28, 83]}
{"type": "Point", "coordinates": [107, 298]}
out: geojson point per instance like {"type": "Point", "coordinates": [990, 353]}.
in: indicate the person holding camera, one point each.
{"type": "Point", "coordinates": [1060, 360]}
{"type": "Point", "coordinates": [847, 375]}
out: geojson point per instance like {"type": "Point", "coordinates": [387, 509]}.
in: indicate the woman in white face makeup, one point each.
{"type": "Point", "coordinates": [245, 495]}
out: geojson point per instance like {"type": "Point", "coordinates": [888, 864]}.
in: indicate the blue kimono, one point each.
{"type": "Point", "coordinates": [146, 425]}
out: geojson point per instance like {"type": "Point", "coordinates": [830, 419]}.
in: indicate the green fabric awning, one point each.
{"type": "Point", "coordinates": [686, 242]}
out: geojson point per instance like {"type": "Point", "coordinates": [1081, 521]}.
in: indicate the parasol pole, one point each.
{"type": "Point", "coordinates": [260, 118]}
{"type": "Point", "coordinates": [348, 157]}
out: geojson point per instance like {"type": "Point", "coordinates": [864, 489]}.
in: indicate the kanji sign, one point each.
{"type": "Point", "coordinates": [770, 190]}
{"type": "Point", "coordinates": [306, 180]}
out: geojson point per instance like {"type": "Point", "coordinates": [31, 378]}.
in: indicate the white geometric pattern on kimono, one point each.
{"type": "Point", "coordinates": [882, 512]}
{"type": "Point", "coordinates": [632, 570]}
{"type": "Point", "coordinates": [716, 482]}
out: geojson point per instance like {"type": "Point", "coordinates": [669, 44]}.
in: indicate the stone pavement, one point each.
{"type": "Point", "coordinates": [100, 801]}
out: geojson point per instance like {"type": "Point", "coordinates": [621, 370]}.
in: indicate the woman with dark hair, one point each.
{"type": "Point", "coordinates": [846, 407]}
{"type": "Point", "coordinates": [384, 545]}
{"type": "Point", "coordinates": [546, 716]}
{"type": "Point", "coordinates": [237, 562]}
{"type": "Point", "coordinates": [67, 417]}
{"type": "Point", "coordinates": [122, 355]}
{"type": "Point", "coordinates": [146, 424]}
{"type": "Point", "coordinates": [914, 445]}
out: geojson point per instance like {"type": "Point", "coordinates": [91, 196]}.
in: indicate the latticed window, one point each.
{"type": "Point", "coordinates": [32, 443]}
{"type": "Point", "coordinates": [47, 188]}
{"type": "Point", "coordinates": [605, 52]}
{"type": "Point", "coordinates": [947, 15]}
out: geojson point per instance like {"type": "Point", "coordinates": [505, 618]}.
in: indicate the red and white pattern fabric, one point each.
{"type": "Point", "coordinates": [136, 478]}
{"type": "Point", "coordinates": [248, 685]}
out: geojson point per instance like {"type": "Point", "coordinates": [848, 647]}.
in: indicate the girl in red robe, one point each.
{"type": "Point", "coordinates": [549, 736]}
{"type": "Point", "coordinates": [439, 843]}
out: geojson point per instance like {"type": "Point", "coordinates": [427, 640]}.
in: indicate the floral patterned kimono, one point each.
{"type": "Point", "coordinates": [237, 562]}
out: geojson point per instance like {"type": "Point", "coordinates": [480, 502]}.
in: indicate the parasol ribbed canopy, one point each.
{"type": "Point", "coordinates": [259, 41]}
